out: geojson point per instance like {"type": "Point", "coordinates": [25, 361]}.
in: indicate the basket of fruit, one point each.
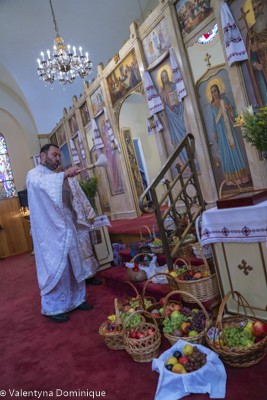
{"type": "Point", "coordinates": [176, 271]}
{"type": "Point", "coordinates": [182, 250]}
{"type": "Point", "coordinates": [198, 281]}
{"type": "Point", "coordinates": [111, 330]}
{"type": "Point", "coordinates": [142, 245]}
{"type": "Point", "coordinates": [186, 324]}
{"type": "Point", "coordinates": [141, 341]}
{"type": "Point", "coordinates": [136, 302]}
{"type": "Point", "coordinates": [188, 369]}
{"type": "Point", "coordinates": [240, 340]}
{"type": "Point", "coordinates": [136, 269]}
{"type": "Point", "coordinates": [156, 309]}
{"type": "Point", "coordinates": [156, 246]}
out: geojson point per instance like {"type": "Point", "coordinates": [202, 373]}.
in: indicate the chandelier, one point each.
{"type": "Point", "coordinates": [64, 65]}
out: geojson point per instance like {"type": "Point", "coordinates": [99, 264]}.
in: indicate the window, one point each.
{"type": "Point", "coordinates": [208, 37]}
{"type": "Point", "coordinates": [7, 185]}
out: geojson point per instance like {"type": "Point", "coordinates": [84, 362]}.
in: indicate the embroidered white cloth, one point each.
{"type": "Point", "coordinates": [234, 44]}
{"type": "Point", "coordinates": [180, 86]}
{"type": "Point", "coordinates": [150, 270]}
{"type": "Point", "coordinates": [239, 224]}
{"type": "Point", "coordinates": [37, 159]}
{"type": "Point", "coordinates": [159, 127]}
{"type": "Point", "coordinates": [75, 155]}
{"type": "Point", "coordinates": [211, 378]}
{"type": "Point", "coordinates": [154, 101]}
{"type": "Point", "coordinates": [98, 141]}
{"type": "Point", "coordinates": [101, 220]}
{"type": "Point", "coordinates": [58, 212]}
{"type": "Point", "coordinates": [110, 131]}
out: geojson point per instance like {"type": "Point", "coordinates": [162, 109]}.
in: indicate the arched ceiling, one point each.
{"type": "Point", "coordinates": [26, 29]}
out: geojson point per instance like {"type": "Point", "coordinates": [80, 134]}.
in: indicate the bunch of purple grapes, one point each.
{"type": "Point", "coordinates": [186, 311]}
{"type": "Point", "coordinates": [195, 361]}
{"type": "Point", "coordinates": [198, 321]}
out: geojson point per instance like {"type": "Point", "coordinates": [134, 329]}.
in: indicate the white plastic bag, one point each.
{"type": "Point", "coordinates": [211, 378]}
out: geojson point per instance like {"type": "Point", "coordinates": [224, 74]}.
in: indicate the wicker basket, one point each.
{"type": "Point", "coordinates": [154, 249]}
{"type": "Point", "coordinates": [136, 276]}
{"type": "Point", "coordinates": [157, 306]}
{"type": "Point", "coordinates": [197, 339]}
{"type": "Point", "coordinates": [139, 298]}
{"type": "Point", "coordinates": [203, 289]}
{"type": "Point", "coordinates": [143, 243]}
{"type": "Point", "coordinates": [182, 249]}
{"type": "Point", "coordinates": [239, 357]}
{"type": "Point", "coordinates": [171, 280]}
{"type": "Point", "coordinates": [142, 350]}
{"type": "Point", "coordinates": [114, 339]}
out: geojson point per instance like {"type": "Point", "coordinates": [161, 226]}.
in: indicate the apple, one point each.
{"type": "Point", "coordinates": [188, 350]}
{"type": "Point", "coordinates": [259, 329]}
{"type": "Point", "coordinates": [161, 311]}
{"type": "Point", "coordinates": [249, 325]}
{"type": "Point", "coordinates": [192, 333]}
{"type": "Point", "coordinates": [150, 332]}
{"type": "Point", "coordinates": [173, 273]}
{"type": "Point", "coordinates": [161, 302]}
{"type": "Point", "coordinates": [183, 360]}
{"type": "Point", "coordinates": [140, 335]}
{"type": "Point", "coordinates": [218, 343]}
{"type": "Point", "coordinates": [172, 360]}
{"type": "Point", "coordinates": [178, 369]}
{"type": "Point", "coordinates": [168, 311]}
{"type": "Point", "coordinates": [156, 315]}
{"type": "Point", "coordinates": [133, 335]}
{"type": "Point", "coordinates": [177, 333]}
{"type": "Point", "coordinates": [177, 307]}
{"type": "Point", "coordinates": [175, 314]}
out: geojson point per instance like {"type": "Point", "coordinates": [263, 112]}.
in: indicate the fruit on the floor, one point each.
{"type": "Point", "coordinates": [183, 360]}
{"type": "Point", "coordinates": [172, 360]}
{"type": "Point", "coordinates": [188, 350]}
{"type": "Point", "coordinates": [259, 329]}
{"type": "Point", "coordinates": [178, 369]}
{"type": "Point", "coordinates": [177, 354]}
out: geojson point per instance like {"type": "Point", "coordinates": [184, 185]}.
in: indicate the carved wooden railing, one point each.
{"type": "Point", "coordinates": [187, 175]}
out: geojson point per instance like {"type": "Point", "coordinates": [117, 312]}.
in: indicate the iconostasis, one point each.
{"type": "Point", "coordinates": [178, 53]}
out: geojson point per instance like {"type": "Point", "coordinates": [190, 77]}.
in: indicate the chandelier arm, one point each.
{"type": "Point", "coordinates": [54, 19]}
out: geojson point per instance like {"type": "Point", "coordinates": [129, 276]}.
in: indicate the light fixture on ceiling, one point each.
{"type": "Point", "coordinates": [64, 65]}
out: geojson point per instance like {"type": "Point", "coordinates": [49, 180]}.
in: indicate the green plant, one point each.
{"type": "Point", "coordinates": [254, 127]}
{"type": "Point", "coordinates": [90, 188]}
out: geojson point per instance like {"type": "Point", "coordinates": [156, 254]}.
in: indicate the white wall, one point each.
{"type": "Point", "coordinates": [135, 115]}
{"type": "Point", "coordinates": [17, 147]}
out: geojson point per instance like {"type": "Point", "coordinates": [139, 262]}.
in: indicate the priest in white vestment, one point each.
{"type": "Point", "coordinates": [60, 214]}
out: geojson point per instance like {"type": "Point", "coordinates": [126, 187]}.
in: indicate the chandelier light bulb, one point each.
{"type": "Point", "coordinates": [74, 50]}
{"type": "Point", "coordinates": [48, 53]}
{"type": "Point", "coordinates": [68, 48]}
{"type": "Point", "coordinates": [39, 62]}
{"type": "Point", "coordinates": [80, 51]}
{"type": "Point", "coordinates": [42, 54]}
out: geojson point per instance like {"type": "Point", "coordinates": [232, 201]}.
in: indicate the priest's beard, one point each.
{"type": "Point", "coordinates": [49, 163]}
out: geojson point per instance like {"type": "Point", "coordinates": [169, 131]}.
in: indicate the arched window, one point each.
{"type": "Point", "coordinates": [7, 185]}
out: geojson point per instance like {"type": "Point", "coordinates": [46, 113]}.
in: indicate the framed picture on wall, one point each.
{"type": "Point", "coordinates": [73, 124]}
{"type": "Point", "coordinates": [102, 187]}
{"type": "Point", "coordinates": [113, 156]}
{"type": "Point", "coordinates": [53, 139]}
{"type": "Point", "coordinates": [124, 78]}
{"type": "Point", "coordinates": [192, 13]}
{"type": "Point", "coordinates": [61, 135]}
{"type": "Point", "coordinates": [65, 157]}
{"type": "Point", "coordinates": [156, 42]}
{"type": "Point", "coordinates": [97, 100]}
{"type": "Point", "coordinates": [85, 114]}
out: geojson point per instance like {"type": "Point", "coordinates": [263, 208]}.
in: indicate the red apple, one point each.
{"type": "Point", "coordinates": [150, 332]}
{"type": "Point", "coordinates": [183, 360]}
{"type": "Point", "coordinates": [162, 301]}
{"type": "Point", "coordinates": [133, 335]}
{"type": "Point", "coordinates": [177, 307]}
{"type": "Point", "coordinates": [140, 335]}
{"type": "Point", "coordinates": [259, 329]}
{"type": "Point", "coordinates": [168, 311]}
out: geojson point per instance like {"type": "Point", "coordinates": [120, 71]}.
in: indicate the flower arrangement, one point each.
{"type": "Point", "coordinates": [90, 188]}
{"type": "Point", "coordinates": [254, 127]}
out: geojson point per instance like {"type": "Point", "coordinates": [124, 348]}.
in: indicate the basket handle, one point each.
{"type": "Point", "coordinates": [199, 218]}
{"type": "Point", "coordinates": [138, 255]}
{"type": "Point", "coordinates": [118, 307]}
{"type": "Point", "coordinates": [136, 312]}
{"type": "Point", "coordinates": [144, 226]}
{"type": "Point", "coordinates": [154, 233]}
{"type": "Point", "coordinates": [181, 259]}
{"type": "Point", "coordinates": [149, 279]}
{"type": "Point", "coordinates": [195, 300]}
{"type": "Point", "coordinates": [228, 180]}
{"type": "Point", "coordinates": [134, 288]}
{"type": "Point", "coordinates": [202, 256]}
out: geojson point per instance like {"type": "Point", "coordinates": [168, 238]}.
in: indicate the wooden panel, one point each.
{"type": "Point", "coordinates": [15, 236]}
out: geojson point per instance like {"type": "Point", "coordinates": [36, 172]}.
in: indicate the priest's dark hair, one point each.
{"type": "Point", "coordinates": [46, 147]}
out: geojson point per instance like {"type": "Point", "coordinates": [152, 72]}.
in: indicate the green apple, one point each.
{"type": "Point", "coordinates": [175, 314]}
{"type": "Point", "coordinates": [161, 311]}
{"type": "Point", "coordinates": [195, 310]}
{"type": "Point", "coordinates": [192, 333]}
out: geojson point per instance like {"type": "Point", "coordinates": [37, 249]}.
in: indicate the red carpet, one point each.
{"type": "Point", "coordinates": [39, 355]}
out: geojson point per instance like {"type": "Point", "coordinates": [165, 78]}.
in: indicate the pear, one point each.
{"type": "Point", "coordinates": [178, 369]}
{"type": "Point", "coordinates": [188, 350]}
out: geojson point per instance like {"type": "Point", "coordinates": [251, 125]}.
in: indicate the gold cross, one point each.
{"type": "Point", "coordinates": [245, 267]}
{"type": "Point", "coordinates": [207, 58]}
{"type": "Point", "coordinates": [243, 16]}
